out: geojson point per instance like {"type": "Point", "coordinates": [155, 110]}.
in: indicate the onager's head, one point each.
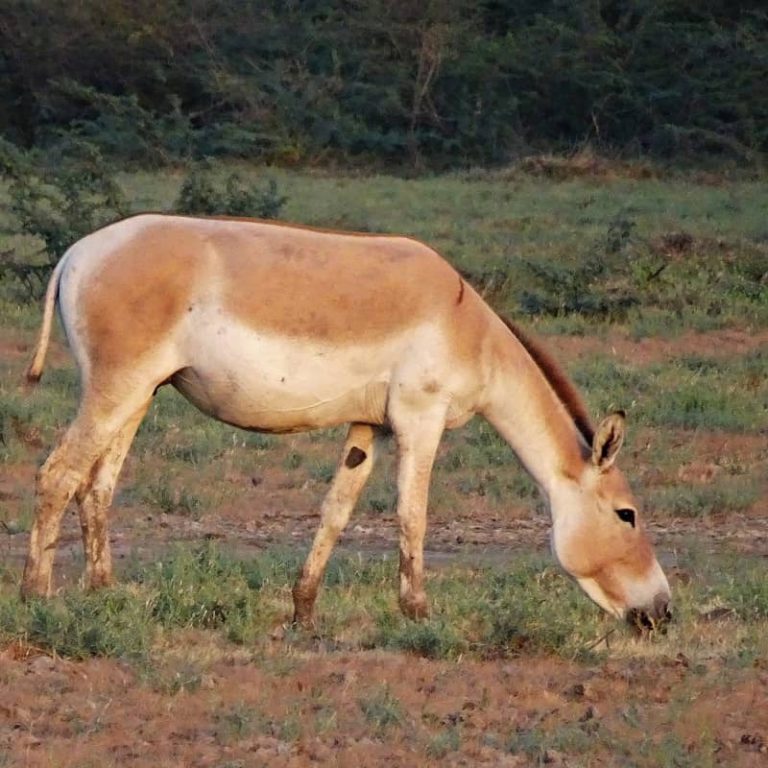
{"type": "Point", "coordinates": [599, 538]}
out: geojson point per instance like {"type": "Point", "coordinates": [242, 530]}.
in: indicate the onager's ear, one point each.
{"type": "Point", "coordinates": [608, 439]}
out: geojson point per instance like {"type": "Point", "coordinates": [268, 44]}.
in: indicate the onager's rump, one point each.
{"type": "Point", "coordinates": [277, 328]}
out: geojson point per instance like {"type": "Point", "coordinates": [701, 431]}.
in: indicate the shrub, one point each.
{"type": "Point", "coordinates": [200, 194]}
{"type": "Point", "coordinates": [55, 198]}
{"type": "Point", "coordinates": [603, 284]}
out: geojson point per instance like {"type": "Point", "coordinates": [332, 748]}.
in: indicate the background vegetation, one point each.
{"type": "Point", "coordinates": [430, 84]}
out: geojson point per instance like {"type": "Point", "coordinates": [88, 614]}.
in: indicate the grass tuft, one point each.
{"type": "Point", "coordinates": [382, 710]}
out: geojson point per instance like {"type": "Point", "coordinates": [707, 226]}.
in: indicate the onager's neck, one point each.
{"type": "Point", "coordinates": [524, 407]}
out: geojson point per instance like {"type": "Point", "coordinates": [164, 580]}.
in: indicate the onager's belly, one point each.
{"type": "Point", "coordinates": [266, 383]}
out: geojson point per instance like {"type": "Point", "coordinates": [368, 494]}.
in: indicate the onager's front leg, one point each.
{"type": "Point", "coordinates": [353, 471]}
{"type": "Point", "coordinates": [417, 445]}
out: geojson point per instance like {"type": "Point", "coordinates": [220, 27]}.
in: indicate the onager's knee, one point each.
{"type": "Point", "coordinates": [56, 484]}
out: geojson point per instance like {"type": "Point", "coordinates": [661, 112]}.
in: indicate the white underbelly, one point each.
{"type": "Point", "coordinates": [263, 382]}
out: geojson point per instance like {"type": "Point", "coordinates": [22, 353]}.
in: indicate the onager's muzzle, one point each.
{"type": "Point", "coordinates": [653, 618]}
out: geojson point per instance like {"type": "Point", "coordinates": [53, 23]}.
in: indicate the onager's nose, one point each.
{"type": "Point", "coordinates": [654, 617]}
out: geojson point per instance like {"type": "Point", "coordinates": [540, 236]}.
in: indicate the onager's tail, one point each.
{"type": "Point", "coordinates": [35, 369]}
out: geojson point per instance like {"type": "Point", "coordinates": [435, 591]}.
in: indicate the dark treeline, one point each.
{"type": "Point", "coordinates": [436, 83]}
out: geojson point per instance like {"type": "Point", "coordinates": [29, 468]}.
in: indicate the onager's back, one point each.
{"type": "Point", "coordinates": [277, 328]}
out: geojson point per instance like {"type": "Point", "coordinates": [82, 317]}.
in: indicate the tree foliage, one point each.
{"type": "Point", "coordinates": [442, 82]}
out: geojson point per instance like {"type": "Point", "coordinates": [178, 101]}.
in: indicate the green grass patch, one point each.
{"type": "Point", "coordinates": [382, 710]}
{"type": "Point", "coordinates": [78, 625]}
{"type": "Point", "coordinates": [743, 588]}
{"type": "Point", "coordinates": [692, 393]}
{"type": "Point", "coordinates": [202, 588]}
{"type": "Point", "coordinates": [729, 494]}
{"type": "Point", "coordinates": [528, 608]}
{"type": "Point", "coordinates": [238, 722]}
{"type": "Point", "coordinates": [443, 743]}
{"type": "Point", "coordinates": [532, 608]}
{"type": "Point", "coordinates": [537, 742]}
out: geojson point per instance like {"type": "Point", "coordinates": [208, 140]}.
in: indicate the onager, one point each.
{"type": "Point", "coordinates": [276, 328]}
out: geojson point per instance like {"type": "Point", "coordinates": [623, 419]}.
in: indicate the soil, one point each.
{"type": "Point", "coordinates": [98, 713]}
{"type": "Point", "coordinates": [728, 342]}
{"type": "Point", "coordinates": [302, 706]}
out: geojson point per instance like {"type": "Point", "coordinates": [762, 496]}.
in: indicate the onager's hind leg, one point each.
{"type": "Point", "coordinates": [67, 469]}
{"type": "Point", "coordinates": [94, 497]}
{"type": "Point", "coordinates": [354, 470]}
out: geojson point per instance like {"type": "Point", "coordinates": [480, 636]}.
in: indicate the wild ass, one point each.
{"type": "Point", "coordinates": [278, 328]}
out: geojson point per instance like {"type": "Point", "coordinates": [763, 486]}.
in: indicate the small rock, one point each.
{"type": "Point", "coordinates": [21, 715]}
{"type": "Point", "coordinates": [589, 714]}
{"type": "Point", "coordinates": [754, 740]}
{"type": "Point", "coordinates": [576, 691]}
{"type": "Point", "coordinates": [41, 664]}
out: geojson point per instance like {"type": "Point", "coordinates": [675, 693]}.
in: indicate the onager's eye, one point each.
{"type": "Point", "coordinates": [626, 516]}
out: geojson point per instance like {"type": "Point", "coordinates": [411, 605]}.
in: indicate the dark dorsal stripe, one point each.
{"type": "Point", "coordinates": [559, 382]}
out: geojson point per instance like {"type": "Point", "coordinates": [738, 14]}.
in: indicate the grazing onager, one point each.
{"type": "Point", "coordinates": [278, 329]}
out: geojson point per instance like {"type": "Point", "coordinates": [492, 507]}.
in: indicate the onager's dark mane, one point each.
{"type": "Point", "coordinates": [560, 383]}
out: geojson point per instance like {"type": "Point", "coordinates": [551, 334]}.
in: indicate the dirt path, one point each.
{"type": "Point", "coordinates": [719, 344]}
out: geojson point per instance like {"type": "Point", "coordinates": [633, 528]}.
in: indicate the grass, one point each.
{"type": "Point", "coordinates": [688, 393]}
{"type": "Point", "coordinates": [238, 722]}
{"type": "Point", "coordinates": [443, 743]}
{"type": "Point", "coordinates": [530, 608]}
{"type": "Point", "coordinates": [727, 495]}
{"type": "Point", "coordinates": [491, 226]}
{"type": "Point", "coordinates": [382, 710]}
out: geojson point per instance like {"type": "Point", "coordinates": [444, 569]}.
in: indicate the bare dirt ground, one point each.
{"type": "Point", "coordinates": [302, 706]}
{"type": "Point", "coordinates": [724, 343]}
{"type": "Point", "coordinates": [98, 713]}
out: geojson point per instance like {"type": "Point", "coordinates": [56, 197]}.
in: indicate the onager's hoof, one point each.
{"type": "Point", "coordinates": [96, 581]}
{"type": "Point", "coordinates": [415, 606]}
{"type": "Point", "coordinates": [304, 605]}
{"type": "Point", "coordinates": [34, 588]}
{"type": "Point", "coordinates": [304, 623]}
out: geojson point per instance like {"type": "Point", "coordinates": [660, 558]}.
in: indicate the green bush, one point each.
{"type": "Point", "coordinates": [413, 84]}
{"type": "Point", "coordinates": [201, 194]}
{"type": "Point", "coordinates": [604, 283]}
{"type": "Point", "coordinates": [55, 199]}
